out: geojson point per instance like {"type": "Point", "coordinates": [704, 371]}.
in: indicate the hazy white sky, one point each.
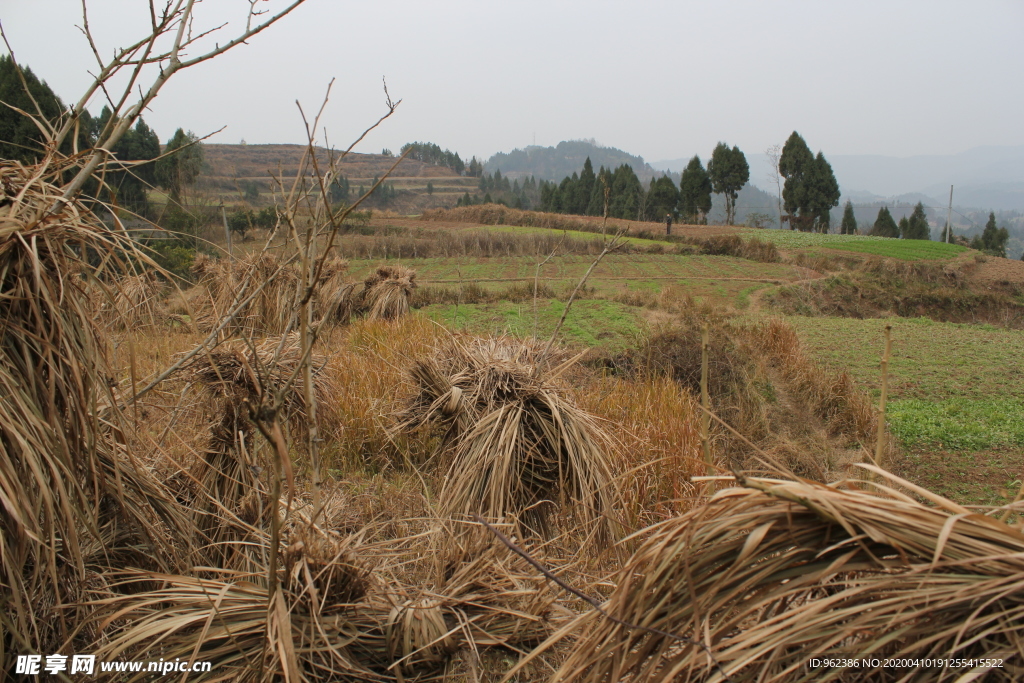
{"type": "Point", "coordinates": [659, 79]}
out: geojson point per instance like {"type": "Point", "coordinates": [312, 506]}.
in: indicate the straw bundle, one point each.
{"type": "Point", "coordinates": [238, 377]}
{"type": "Point", "coordinates": [331, 616]}
{"type": "Point", "coordinates": [135, 302]}
{"type": "Point", "coordinates": [66, 492]}
{"type": "Point", "coordinates": [781, 570]}
{"type": "Point", "coordinates": [305, 631]}
{"type": "Point", "coordinates": [336, 294]}
{"type": "Point", "coordinates": [227, 281]}
{"type": "Point", "coordinates": [513, 441]}
{"type": "Point", "coordinates": [386, 292]}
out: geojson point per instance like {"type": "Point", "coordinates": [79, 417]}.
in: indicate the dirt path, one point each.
{"type": "Point", "coordinates": [756, 305]}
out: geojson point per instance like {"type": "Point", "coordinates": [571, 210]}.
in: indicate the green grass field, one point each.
{"type": "Point", "coordinates": [907, 250]}
{"type": "Point", "coordinates": [930, 360]}
{"type": "Point", "coordinates": [590, 323]}
{"type": "Point", "coordinates": [951, 386]}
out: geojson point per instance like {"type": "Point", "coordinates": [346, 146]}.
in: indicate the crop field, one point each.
{"type": "Point", "coordinates": [715, 278]}
{"type": "Point", "coordinates": [956, 396]}
{"type": "Point", "coordinates": [906, 250]}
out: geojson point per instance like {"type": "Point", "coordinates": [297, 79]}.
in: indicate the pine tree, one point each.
{"type": "Point", "coordinates": [823, 194]}
{"type": "Point", "coordinates": [127, 188]}
{"type": "Point", "coordinates": [849, 224]}
{"type": "Point", "coordinates": [885, 226]}
{"type": "Point", "coordinates": [20, 139]}
{"type": "Point", "coordinates": [729, 172]}
{"type": "Point", "coordinates": [902, 226]}
{"type": "Point", "coordinates": [626, 193]}
{"type": "Point", "coordinates": [694, 193]}
{"type": "Point", "coordinates": [595, 207]}
{"type": "Point", "coordinates": [584, 189]}
{"type": "Point", "coordinates": [917, 227]}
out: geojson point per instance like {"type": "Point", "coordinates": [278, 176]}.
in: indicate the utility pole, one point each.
{"type": "Point", "coordinates": [949, 215]}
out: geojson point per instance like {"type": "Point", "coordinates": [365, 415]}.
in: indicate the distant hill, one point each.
{"type": "Point", "coordinates": [566, 158]}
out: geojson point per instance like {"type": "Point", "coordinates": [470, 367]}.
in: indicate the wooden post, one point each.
{"type": "Point", "coordinates": [705, 420]}
{"type": "Point", "coordinates": [880, 438]}
{"type": "Point", "coordinates": [227, 233]}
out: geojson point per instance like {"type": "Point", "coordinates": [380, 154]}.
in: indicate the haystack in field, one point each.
{"type": "Point", "coordinates": [272, 310]}
{"type": "Point", "coordinates": [230, 282]}
{"type": "Point", "coordinates": [70, 501]}
{"type": "Point", "coordinates": [386, 292]}
{"type": "Point", "coordinates": [514, 443]}
{"type": "Point", "coordinates": [136, 302]}
{"type": "Point", "coordinates": [773, 572]}
{"type": "Point", "coordinates": [237, 377]}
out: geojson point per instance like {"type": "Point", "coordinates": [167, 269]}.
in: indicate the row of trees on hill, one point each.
{"type": "Point", "coordinates": [620, 194]}
{"type": "Point", "coordinates": [914, 227]}
{"type": "Point", "coordinates": [429, 153]}
{"type": "Point", "coordinates": [499, 189]}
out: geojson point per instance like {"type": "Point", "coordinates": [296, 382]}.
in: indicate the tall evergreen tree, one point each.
{"type": "Point", "coordinates": [917, 225]}
{"type": "Point", "coordinates": [127, 187]}
{"type": "Point", "coordinates": [584, 189]}
{"type": "Point", "coordinates": [823, 194]}
{"type": "Point", "coordinates": [626, 193]}
{"type": "Point", "coordinates": [884, 225]}
{"type": "Point", "coordinates": [20, 139]}
{"type": "Point", "coordinates": [795, 164]}
{"type": "Point", "coordinates": [811, 189]}
{"type": "Point", "coordinates": [662, 199]}
{"type": "Point", "coordinates": [181, 163]}
{"type": "Point", "coordinates": [694, 193]}
{"type": "Point", "coordinates": [849, 224]}
{"type": "Point", "coordinates": [603, 181]}
{"type": "Point", "coordinates": [729, 172]}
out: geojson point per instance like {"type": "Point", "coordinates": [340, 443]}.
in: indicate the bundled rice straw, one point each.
{"type": "Point", "coordinates": [513, 442]}
{"type": "Point", "coordinates": [273, 309]}
{"type": "Point", "coordinates": [68, 498]}
{"type": "Point", "coordinates": [773, 573]}
{"type": "Point", "coordinates": [386, 292]}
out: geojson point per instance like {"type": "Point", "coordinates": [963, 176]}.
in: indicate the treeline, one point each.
{"type": "Point", "coordinates": [123, 186]}
{"type": "Point", "coordinates": [429, 153]}
{"type": "Point", "coordinates": [619, 193]}
{"type": "Point", "coordinates": [497, 189]}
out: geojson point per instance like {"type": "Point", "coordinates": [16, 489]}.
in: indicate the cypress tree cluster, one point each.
{"type": "Point", "coordinates": [811, 189]}
{"type": "Point", "coordinates": [587, 192]}
{"type": "Point", "coordinates": [992, 240]}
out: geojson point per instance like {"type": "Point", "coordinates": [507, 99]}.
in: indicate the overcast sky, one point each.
{"type": "Point", "coordinates": [659, 79]}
